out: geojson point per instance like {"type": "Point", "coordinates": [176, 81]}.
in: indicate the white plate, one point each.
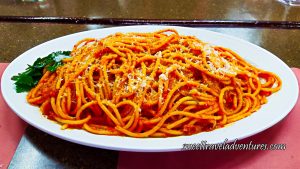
{"type": "Point", "coordinates": [278, 106]}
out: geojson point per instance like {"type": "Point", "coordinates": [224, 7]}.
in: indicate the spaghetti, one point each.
{"type": "Point", "coordinates": [156, 84]}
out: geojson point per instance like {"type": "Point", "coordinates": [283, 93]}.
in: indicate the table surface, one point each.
{"type": "Point", "coordinates": [270, 10]}
{"type": "Point", "coordinates": [16, 38]}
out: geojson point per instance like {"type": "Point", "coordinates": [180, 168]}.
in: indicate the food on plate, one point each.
{"type": "Point", "coordinates": [154, 84]}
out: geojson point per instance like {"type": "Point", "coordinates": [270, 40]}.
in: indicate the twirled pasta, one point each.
{"type": "Point", "coordinates": [155, 84]}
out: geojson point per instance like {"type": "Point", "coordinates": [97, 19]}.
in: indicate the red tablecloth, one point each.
{"type": "Point", "coordinates": [285, 132]}
{"type": "Point", "coordinates": [11, 129]}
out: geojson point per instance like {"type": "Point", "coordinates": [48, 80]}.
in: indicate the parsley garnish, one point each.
{"type": "Point", "coordinates": [30, 77]}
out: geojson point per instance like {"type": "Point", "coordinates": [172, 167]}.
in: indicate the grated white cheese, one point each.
{"type": "Point", "coordinates": [99, 85]}
{"type": "Point", "coordinates": [160, 98]}
{"type": "Point", "coordinates": [134, 87]}
{"type": "Point", "coordinates": [148, 78]}
{"type": "Point", "coordinates": [173, 67]}
{"type": "Point", "coordinates": [262, 80]}
{"type": "Point", "coordinates": [216, 53]}
{"type": "Point", "coordinates": [207, 49]}
{"type": "Point", "coordinates": [223, 66]}
{"type": "Point", "coordinates": [181, 41]}
{"type": "Point", "coordinates": [129, 76]}
{"type": "Point", "coordinates": [144, 84]}
{"type": "Point", "coordinates": [158, 54]}
{"type": "Point", "coordinates": [197, 44]}
{"type": "Point", "coordinates": [126, 88]}
{"type": "Point", "coordinates": [163, 77]}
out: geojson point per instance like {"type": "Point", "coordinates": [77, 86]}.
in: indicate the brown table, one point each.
{"type": "Point", "coordinates": [24, 25]}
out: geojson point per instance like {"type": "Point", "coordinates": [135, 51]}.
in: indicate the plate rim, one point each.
{"type": "Point", "coordinates": [49, 131]}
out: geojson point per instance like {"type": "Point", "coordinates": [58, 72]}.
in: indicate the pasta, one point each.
{"type": "Point", "coordinates": [155, 84]}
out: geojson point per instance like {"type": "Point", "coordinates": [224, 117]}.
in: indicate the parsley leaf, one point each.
{"type": "Point", "coordinates": [30, 77]}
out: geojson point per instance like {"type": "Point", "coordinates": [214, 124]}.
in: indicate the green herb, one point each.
{"type": "Point", "coordinates": [33, 73]}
